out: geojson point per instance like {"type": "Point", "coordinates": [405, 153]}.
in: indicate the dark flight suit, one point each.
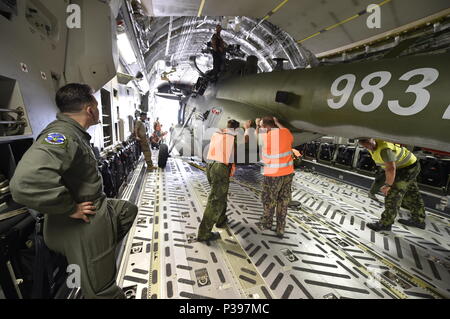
{"type": "Point", "coordinates": [218, 57]}
{"type": "Point", "coordinates": [58, 172]}
{"type": "Point", "coordinates": [141, 132]}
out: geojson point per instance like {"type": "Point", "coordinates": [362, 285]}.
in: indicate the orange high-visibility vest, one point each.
{"type": "Point", "coordinates": [221, 149]}
{"type": "Point", "coordinates": [277, 152]}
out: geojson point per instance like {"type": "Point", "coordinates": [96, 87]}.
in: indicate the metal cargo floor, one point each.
{"type": "Point", "coordinates": [327, 251]}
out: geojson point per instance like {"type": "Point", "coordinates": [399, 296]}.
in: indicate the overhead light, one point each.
{"type": "Point", "coordinates": [144, 85]}
{"type": "Point", "coordinates": [125, 48]}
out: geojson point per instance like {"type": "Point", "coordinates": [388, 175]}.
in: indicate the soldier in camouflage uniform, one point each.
{"type": "Point", "coordinates": [218, 172]}
{"type": "Point", "coordinates": [401, 189]}
{"type": "Point", "coordinates": [278, 172]}
{"type": "Point", "coordinates": [141, 136]}
{"type": "Point", "coordinates": [218, 176]}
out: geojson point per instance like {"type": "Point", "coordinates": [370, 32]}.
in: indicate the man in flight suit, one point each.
{"type": "Point", "coordinates": [141, 136]}
{"type": "Point", "coordinates": [401, 169]}
{"type": "Point", "coordinates": [221, 162]}
{"type": "Point", "coordinates": [58, 176]}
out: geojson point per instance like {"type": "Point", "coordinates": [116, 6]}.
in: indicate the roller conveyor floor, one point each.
{"type": "Point", "coordinates": [327, 252]}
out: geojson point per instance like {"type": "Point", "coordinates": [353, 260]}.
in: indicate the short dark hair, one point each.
{"type": "Point", "coordinates": [233, 124]}
{"type": "Point", "coordinates": [72, 97]}
{"type": "Point", "coordinates": [268, 121]}
{"type": "Point", "coordinates": [143, 114]}
{"type": "Point", "coordinates": [252, 123]}
{"type": "Point", "coordinates": [364, 139]}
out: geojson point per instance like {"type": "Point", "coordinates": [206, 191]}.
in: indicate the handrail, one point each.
{"type": "Point", "coordinates": [12, 122]}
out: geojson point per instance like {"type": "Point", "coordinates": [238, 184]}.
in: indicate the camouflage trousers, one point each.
{"type": "Point", "coordinates": [404, 193]}
{"type": "Point", "coordinates": [380, 179]}
{"type": "Point", "coordinates": [276, 196]}
{"type": "Point", "coordinates": [218, 175]}
{"type": "Point", "coordinates": [147, 152]}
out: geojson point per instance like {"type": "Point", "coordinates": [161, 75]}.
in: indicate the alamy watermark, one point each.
{"type": "Point", "coordinates": [73, 20]}
{"type": "Point", "coordinates": [74, 276]}
{"type": "Point", "coordinates": [374, 19]}
{"type": "Point", "coordinates": [247, 150]}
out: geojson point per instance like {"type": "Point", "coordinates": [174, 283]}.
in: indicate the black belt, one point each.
{"type": "Point", "coordinates": [409, 166]}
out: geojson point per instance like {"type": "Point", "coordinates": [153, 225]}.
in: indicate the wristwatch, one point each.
{"type": "Point", "coordinates": [386, 184]}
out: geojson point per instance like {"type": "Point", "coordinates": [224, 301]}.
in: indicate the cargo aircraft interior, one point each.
{"type": "Point", "coordinates": [335, 76]}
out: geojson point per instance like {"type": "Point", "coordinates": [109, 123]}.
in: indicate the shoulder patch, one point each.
{"type": "Point", "coordinates": [55, 139]}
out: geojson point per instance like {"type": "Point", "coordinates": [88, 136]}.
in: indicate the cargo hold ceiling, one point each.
{"type": "Point", "coordinates": [291, 29]}
{"type": "Point", "coordinates": [189, 35]}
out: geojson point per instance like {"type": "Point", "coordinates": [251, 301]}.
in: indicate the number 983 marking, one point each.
{"type": "Point", "coordinates": [341, 96]}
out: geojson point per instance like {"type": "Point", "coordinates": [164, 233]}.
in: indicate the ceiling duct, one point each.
{"type": "Point", "coordinates": [124, 78]}
{"type": "Point", "coordinates": [189, 36]}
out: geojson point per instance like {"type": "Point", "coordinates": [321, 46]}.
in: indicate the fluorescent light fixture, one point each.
{"type": "Point", "coordinates": [125, 48]}
{"type": "Point", "coordinates": [144, 84]}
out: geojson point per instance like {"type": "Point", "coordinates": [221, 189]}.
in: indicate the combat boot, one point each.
{"type": "Point", "coordinates": [210, 237]}
{"type": "Point", "coordinates": [412, 223]}
{"type": "Point", "coordinates": [151, 168]}
{"type": "Point", "coordinates": [222, 225]}
{"type": "Point", "coordinates": [263, 226]}
{"type": "Point", "coordinates": [378, 226]}
{"type": "Point", "coordinates": [294, 204]}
